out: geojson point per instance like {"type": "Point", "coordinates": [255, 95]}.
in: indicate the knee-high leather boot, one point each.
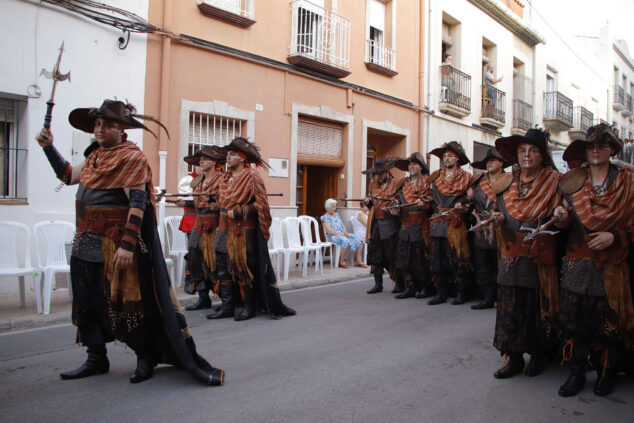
{"type": "Point", "coordinates": [203, 301]}
{"type": "Point", "coordinates": [378, 281]}
{"type": "Point", "coordinates": [409, 292]}
{"type": "Point", "coordinates": [97, 363]}
{"type": "Point", "coordinates": [226, 296]}
{"type": "Point", "coordinates": [248, 311]}
{"type": "Point", "coordinates": [441, 290]}
{"type": "Point", "coordinates": [489, 299]}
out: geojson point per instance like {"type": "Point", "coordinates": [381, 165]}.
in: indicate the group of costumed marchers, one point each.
{"type": "Point", "coordinates": [552, 249]}
{"type": "Point", "coordinates": [115, 217]}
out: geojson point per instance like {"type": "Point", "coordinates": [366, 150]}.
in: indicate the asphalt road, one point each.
{"type": "Point", "coordinates": [346, 357]}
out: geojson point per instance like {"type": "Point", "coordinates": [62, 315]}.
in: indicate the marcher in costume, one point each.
{"type": "Point", "coordinates": [193, 258]}
{"type": "Point", "coordinates": [450, 259]}
{"type": "Point", "coordinates": [121, 288]}
{"type": "Point", "coordinates": [528, 293]}
{"type": "Point", "coordinates": [596, 315]}
{"type": "Point", "coordinates": [383, 225]}
{"type": "Point", "coordinates": [207, 217]}
{"type": "Point", "coordinates": [242, 256]}
{"type": "Point", "coordinates": [413, 236]}
{"type": "Point", "coordinates": [485, 251]}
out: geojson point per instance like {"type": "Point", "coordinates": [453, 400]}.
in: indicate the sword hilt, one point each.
{"type": "Point", "coordinates": [49, 114]}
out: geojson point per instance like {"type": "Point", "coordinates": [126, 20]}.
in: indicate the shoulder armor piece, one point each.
{"type": "Point", "coordinates": [502, 183]}
{"type": "Point", "coordinates": [573, 180]}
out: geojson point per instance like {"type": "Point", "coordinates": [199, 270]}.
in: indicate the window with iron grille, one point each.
{"type": "Point", "coordinates": [206, 129]}
{"type": "Point", "coordinates": [12, 154]}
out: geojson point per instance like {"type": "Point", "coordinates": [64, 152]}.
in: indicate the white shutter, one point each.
{"type": "Point", "coordinates": [320, 140]}
{"type": "Point", "coordinates": [7, 110]}
{"type": "Point", "coordinates": [377, 14]}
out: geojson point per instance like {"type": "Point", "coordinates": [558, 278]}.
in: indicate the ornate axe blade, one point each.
{"type": "Point", "coordinates": [56, 76]}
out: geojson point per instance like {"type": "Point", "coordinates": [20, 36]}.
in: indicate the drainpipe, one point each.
{"type": "Point", "coordinates": [164, 111]}
{"type": "Point", "coordinates": [534, 81]}
{"type": "Point", "coordinates": [426, 58]}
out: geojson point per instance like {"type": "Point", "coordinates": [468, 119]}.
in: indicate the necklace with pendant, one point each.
{"type": "Point", "coordinates": [600, 189]}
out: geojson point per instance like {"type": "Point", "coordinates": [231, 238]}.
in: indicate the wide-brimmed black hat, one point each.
{"type": "Point", "coordinates": [492, 153]}
{"type": "Point", "coordinates": [455, 147]}
{"type": "Point", "coordinates": [249, 149]}
{"type": "Point", "coordinates": [114, 110]}
{"type": "Point", "coordinates": [215, 153]}
{"type": "Point", "coordinates": [194, 159]}
{"type": "Point", "coordinates": [403, 164]}
{"type": "Point", "coordinates": [380, 166]}
{"type": "Point", "coordinates": [597, 133]}
{"type": "Point", "coordinates": [507, 146]}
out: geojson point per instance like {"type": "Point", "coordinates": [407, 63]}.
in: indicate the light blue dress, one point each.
{"type": "Point", "coordinates": [337, 225]}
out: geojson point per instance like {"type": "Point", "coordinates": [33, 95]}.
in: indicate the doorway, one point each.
{"type": "Point", "coordinates": [315, 184]}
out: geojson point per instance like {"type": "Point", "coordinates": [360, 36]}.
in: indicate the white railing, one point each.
{"type": "Point", "coordinates": [242, 8]}
{"type": "Point", "coordinates": [380, 55]}
{"type": "Point", "coordinates": [320, 34]}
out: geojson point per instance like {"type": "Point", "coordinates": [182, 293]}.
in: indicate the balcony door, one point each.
{"type": "Point", "coordinates": [310, 32]}
{"type": "Point", "coordinates": [550, 88]}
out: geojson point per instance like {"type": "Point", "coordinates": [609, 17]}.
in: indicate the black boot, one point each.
{"type": "Point", "coordinates": [441, 291]}
{"type": "Point", "coordinates": [575, 382]}
{"type": "Point", "coordinates": [203, 301]}
{"type": "Point", "coordinates": [97, 363]}
{"type": "Point", "coordinates": [226, 296]}
{"type": "Point", "coordinates": [144, 368]}
{"type": "Point", "coordinates": [605, 382]}
{"type": "Point", "coordinates": [248, 311]}
{"type": "Point", "coordinates": [463, 291]}
{"type": "Point", "coordinates": [427, 291]}
{"type": "Point", "coordinates": [378, 281]}
{"type": "Point", "coordinates": [409, 291]}
{"type": "Point", "coordinates": [399, 286]}
{"type": "Point", "coordinates": [489, 299]}
{"type": "Point", "coordinates": [513, 366]}
{"type": "Point", "coordinates": [535, 365]}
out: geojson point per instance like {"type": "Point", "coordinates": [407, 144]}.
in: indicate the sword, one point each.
{"type": "Point", "coordinates": [450, 211]}
{"type": "Point", "coordinates": [56, 76]}
{"type": "Point", "coordinates": [479, 222]}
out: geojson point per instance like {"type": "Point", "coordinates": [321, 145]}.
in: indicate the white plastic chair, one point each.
{"type": "Point", "coordinates": [309, 241]}
{"type": "Point", "coordinates": [53, 236]}
{"type": "Point", "coordinates": [277, 239]}
{"type": "Point", "coordinates": [363, 244]}
{"type": "Point", "coordinates": [293, 230]}
{"type": "Point", "coordinates": [10, 233]}
{"type": "Point", "coordinates": [273, 252]}
{"type": "Point", "coordinates": [314, 224]}
{"type": "Point", "coordinates": [176, 245]}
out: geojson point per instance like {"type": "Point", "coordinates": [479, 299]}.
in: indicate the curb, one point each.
{"type": "Point", "coordinates": [41, 321]}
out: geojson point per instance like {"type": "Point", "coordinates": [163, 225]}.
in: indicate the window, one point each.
{"type": "Point", "coordinates": [12, 156]}
{"type": "Point", "coordinates": [235, 12]}
{"type": "Point", "coordinates": [205, 129]}
{"type": "Point", "coordinates": [380, 46]}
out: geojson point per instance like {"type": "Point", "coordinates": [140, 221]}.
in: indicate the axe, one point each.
{"type": "Point", "coordinates": [56, 76]}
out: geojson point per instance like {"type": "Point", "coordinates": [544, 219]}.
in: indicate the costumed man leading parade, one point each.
{"type": "Point", "coordinates": [596, 314]}
{"type": "Point", "coordinates": [383, 224]}
{"type": "Point", "coordinates": [485, 251]}
{"type": "Point", "coordinates": [242, 256]}
{"type": "Point", "coordinates": [193, 258]}
{"type": "Point", "coordinates": [207, 218]}
{"type": "Point", "coordinates": [450, 259]}
{"type": "Point", "coordinates": [413, 236]}
{"type": "Point", "coordinates": [528, 292]}
{"type": "Point", "coordinates": [121, 288]}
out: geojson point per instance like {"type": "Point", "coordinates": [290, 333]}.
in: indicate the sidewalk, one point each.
{"type": "Point", "coordinates": [13, 317]}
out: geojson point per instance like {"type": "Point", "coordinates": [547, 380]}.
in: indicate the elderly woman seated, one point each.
{"type": "Point", "coordinates": [336, 232]}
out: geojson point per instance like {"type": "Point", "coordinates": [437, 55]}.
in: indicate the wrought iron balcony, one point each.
{"type": "Point", "coordinates": [493, 106]}
{"type": "Point", "coordinates": [522, 117]}
{"type": "Point", "coordinates": [618, 103]}
{"type": "Point", "coordinates": [582, 120]}
{"type": "Point", "coordinates": [236, 12]}
{"type": "Point", "coordinates": [320, 39]}
{"type": "Point", "coordinates": [628, 106]}
{"type": "Point", "coordinates": [557, 111]}
{"type": "Point", "coordinates": [381, 59]}
{"type": "Point", "coordinates": [455, 92]}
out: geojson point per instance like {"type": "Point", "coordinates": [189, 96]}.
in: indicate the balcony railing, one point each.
{"type": "Point", "coordinates": [493, 106]}
{"type": "Point", "coordinates": [557, 111]}
{"type": "Point", "coordinates": [628, 106]}
{"type": "Point", "coordinates": [618, 103]}
{"type": "Point", "coordinates": [455, 91]}
{"type": "Point", "coordinates": [381, 59]}
{"type": "Point", "coordinates": [237, 12]}
{"type": "Point", "coordinates": [522, 117]}
{"type": "Point", "coordinates": [582, 120]}
{"type": "Point", "coordinates": [320, 39]}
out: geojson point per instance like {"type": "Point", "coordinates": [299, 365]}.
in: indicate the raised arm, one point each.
{"type": "Point", "coordinates": [63, 170]}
